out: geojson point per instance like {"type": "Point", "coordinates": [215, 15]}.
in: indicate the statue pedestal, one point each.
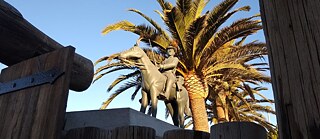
{"type": "Point", "coordinates": [112, 118]}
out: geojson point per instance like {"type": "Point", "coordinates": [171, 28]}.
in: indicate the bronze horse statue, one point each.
{"type": "Point", "coordinates": [153, 82]}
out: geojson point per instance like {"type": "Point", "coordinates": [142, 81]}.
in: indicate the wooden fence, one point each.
{"type": "Point", "coordinates": [233, 130]}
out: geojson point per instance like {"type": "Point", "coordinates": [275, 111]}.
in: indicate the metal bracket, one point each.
{"type": "Point", "coordinates": [40, 78]}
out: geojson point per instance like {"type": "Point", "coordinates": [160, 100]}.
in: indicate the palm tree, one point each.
{"type": "Point", "coordinates": [242, 107]}
{"type": "Point", "coordinates": [202, 40]}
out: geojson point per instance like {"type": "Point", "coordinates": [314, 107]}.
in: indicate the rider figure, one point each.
{"type": "Point", "coordinates": [168, 68]}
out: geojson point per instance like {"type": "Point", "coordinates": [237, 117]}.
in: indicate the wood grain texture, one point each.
{"type": "Point", "coordinates": [20, 40]}
{"type": "Point", "coordinates": [292, 34]}
{"type": "Point", "coordinates": [88, 133]}
{"type": "Point", "coordinates": [238, 130]}
{"type": "Point", "coordinates": [36, 112]}
{"type": "Point", "coordinates": [133, 132]}
{"type": "Point", "coordinates": [185, 134]}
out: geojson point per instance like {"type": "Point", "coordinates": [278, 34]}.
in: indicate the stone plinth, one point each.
{"type": "Point", "coordinates": [112, 118]}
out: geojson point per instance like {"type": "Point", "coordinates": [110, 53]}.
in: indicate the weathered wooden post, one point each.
{"type": "Point", "coordinates": [20, 40]}
{"type": "Point", "coordinates": [185, 134]}
{"type": "Point", "coordinates": [238, 130]}
{"type": "Point", "coordinates": [34, 87]}
{"type": "Point", "coordinates": [88, 133]}
{"type": "Point", "coordinates": [292, 32]}
{"type": "Point", "coordinates": [133, 132]}
{"type": "Point", "coordinates": [33, 96]}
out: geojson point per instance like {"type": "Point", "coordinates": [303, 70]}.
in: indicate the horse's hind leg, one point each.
{"type": "Point", "coordinates": [154, 101]}
{"type": "Point", "coordinates": [181, 107]}
{"type": "Point", "coordinates": [144, 101]}
{"type": "Point", "coordinates": [173, 114]}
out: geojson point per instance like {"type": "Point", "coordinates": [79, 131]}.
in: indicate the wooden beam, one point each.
{"type": "Point", "coordinates": [36, 112]}
{"type": "Point", "coordinates": [20, 40]}
{"type": "Point", "coordinates": [292, 32]}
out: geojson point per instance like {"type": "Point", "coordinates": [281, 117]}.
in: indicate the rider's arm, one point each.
{"type": "Point", "coordinates": [171, 65]}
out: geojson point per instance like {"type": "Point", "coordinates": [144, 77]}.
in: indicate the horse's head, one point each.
{"type": "Point", "coordinates": [133, 53]}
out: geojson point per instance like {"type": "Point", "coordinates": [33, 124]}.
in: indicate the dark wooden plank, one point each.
{"type": "Point", "coordinates": [20, 40]}
{"type": "Point", "coordinates": [133, 132]}
{"type": "Point", "coordinates": [238, 130]}
{"type": "Point", "coordinates": [185, 134]}
{"type": "Point", "coordinates": [36, 112]}
{"type": "Point", "coordinates": [88, 133]}
{"type": "Point", "coordinates": [292, 34]}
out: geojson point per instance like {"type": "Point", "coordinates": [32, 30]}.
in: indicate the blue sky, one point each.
{"type": "Point", "coordinates": [79, 23]}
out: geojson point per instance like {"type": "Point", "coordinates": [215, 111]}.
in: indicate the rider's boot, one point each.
{"type": "Point", "coordinates": [165, 96]}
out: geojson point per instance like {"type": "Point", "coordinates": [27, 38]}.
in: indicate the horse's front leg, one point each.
{"type": "Point", "coordinates": [144, 101]}
{"type": "Point", "coordinates": [154, 100]}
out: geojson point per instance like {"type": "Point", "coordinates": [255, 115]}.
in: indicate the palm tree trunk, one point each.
{"type": "Point", "coordinates": [222, 108]}
{"type": "Point", "coordinates": [198, 91]}
{"type": "Point", "coordinates": [199, 115]}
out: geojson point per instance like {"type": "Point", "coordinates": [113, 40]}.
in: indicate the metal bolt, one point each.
{"type": "Point", "coordinates": [14, 85]}
{"type": "Point", "coordinates": [31, 80]}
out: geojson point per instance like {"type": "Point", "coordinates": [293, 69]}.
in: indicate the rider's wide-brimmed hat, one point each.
{"type": "Point", "coordinates": [172, 47]}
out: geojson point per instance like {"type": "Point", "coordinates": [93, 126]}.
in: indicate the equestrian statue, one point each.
{"type": "Point", "coordinates": [156, 85]}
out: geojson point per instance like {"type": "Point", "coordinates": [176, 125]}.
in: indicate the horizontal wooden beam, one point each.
{"type": "Point", "coordinates": [20, 40]}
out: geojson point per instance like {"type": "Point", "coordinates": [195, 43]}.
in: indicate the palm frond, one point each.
{"type": "Point", "coordinates": [198, 6]}
{"type": "Point", "coordinates": [108, 66]}
{"type": "Point", "coordinates": [122, 25]}
{"type": "Point", "coordinates": [106, 103]}
{"type": "Point", "coordinates": [226, 35]}
{"type": "Point", "coordinates": [107, 58]}
{"type": "Point", "coordinates": [191, 34]}
{"type": "Point", "coordinates": [165, 5]}
{"type": "Point", "coordinates": [117, 68]}
{"type": "Point", "coordinates": [134, 74]}
{"type": "Point", "coordinates": [174, 20]}
{"type": "Point", "coordinates": [221, 66]}
{"type": "Point", "coordinates": [248, 89]}
{"type": "Point", "coordinates": [184, 6]}
{"type": "Point", "coordinates": [214, 22]}
{"type": "Point", "coordinates": [138, 87]}
{"type": "Point", "coordinates": [152, 22]}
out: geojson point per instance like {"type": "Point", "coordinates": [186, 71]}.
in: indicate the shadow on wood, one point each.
{"type": "Point", "coordinates": [125, 132]}
{"type": "Point", "coordinates": [238, 130]}
{"type": "Point", "coordinates": [133, 132]}
{"type": "Point", "coordinates": [185, 134]}
{"type": "Point", "coordinates": [292, 32]}
{"type": "Point", "coordinates": [88, 133]}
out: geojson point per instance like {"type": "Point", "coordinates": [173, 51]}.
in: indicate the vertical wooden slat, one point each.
{"type": "Point", "coordinates": [88, 133]}
{"type": "Point", "coordinates": [238, 130]}
{"type": "Point", "coordinates": [36, 112]}
{"type": "Point", "coordinates": [292, 34]}
{"type": "Point", "coordinates": [185, 134]}
{"type": "Point", "coordinates": [133, 132]}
